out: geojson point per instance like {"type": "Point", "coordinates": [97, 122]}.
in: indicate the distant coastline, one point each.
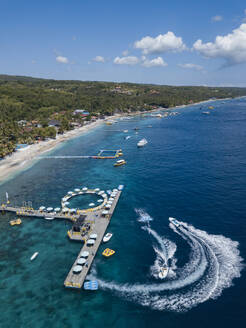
{"type": "Point", "coordinates": [25, 158]}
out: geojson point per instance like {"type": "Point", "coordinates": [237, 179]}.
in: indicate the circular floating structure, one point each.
{"type": "Point", "coordinates": [92, 206]}
{"type": "Point", "coordinates": [77, 269]}
{"type": "Point", "coordinates": [84, 254]}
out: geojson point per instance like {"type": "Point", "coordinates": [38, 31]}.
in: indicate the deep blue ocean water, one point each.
{"type": "Point", "coordinates": [193, 168]}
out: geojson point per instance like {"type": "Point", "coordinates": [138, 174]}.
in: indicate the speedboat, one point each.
{"type": "Point", "coordinates": [174, 221]}
{"type": "Point", "coordinates": [107, 237]}
{"type": "Point", "coordinates": [34, 256]}
{"type": "Point", "coordinates": [142, 143]}
{"type": "Point", "coordinates": [49, 218]}
{"type": "Point", "coordinates": [206, 113]}
{"type": "Point", "coordinates": [163, 272]}
{"type": "Point", "coordinates": [120, 162]}
{"type": "Point", "coordinates": [128, 137]}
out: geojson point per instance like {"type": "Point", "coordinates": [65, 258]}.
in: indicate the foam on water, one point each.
{"type": "Point", "coordinates": [144, 217]}
{"type": "Point", "coordinates": [213, 263]}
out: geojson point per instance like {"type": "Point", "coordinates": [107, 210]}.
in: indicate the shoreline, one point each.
{"type": "Point", "coordinates": [23, 159]}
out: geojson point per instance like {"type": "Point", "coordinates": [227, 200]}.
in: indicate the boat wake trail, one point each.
{"type": "Point", "coordinates": [144, 217]}
{"type": "Point", "coordinates": [214, 261]}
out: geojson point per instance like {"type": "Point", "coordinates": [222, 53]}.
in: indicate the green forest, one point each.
{"type": "Point", "coordinates": [27, 105]}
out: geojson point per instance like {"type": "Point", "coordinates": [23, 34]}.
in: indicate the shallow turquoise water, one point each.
{"type": "Point", "coordinates": [193, 168]}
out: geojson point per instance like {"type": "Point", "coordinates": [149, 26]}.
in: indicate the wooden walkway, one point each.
{"type": "Point", "coordinates": [76, 280]}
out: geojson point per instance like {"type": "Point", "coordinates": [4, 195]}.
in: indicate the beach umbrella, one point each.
{"type": "Point", "coordinates": [91, 204]}
{"type": "Point", "coordinates": [65, 209]}
{"type": "Point", "coordinates": [81, 261]}
{"type": "Point", "coordinates": [49, 209]}
{"type": "Point", "coordinates": [77, 189]}
{"type": "Point", "coordinates": [57, 209]}
{"type": "Point", "coordinates": [66, 203]}
{"type": "Point", "coordinates": [100, 200]}
{"type": "Point", "coordinates": [93, 236]}
{"type": "Point", "coordinates": [109, 202]}
{"type": "Point", "coordinates": [97, 190]}
{"type": "Point", "coordinates": [90, 242]}
{"type": "Point", "coordinates": [104, 195]}
{"type": "Point", "coordinates": [85, 188]}
{"type": "Point", "coordinates": [70, 193]}
{"type": "Point", "coordinates": [111, 199]}
{"type": "Point", "coordinates": [84, 254]}
{"type": "Point", "coordinates": [42, 208]}
{"type": "Point", "coordinates": [77, 268]}
{"type": "Point", "coordinates": [104, 212]}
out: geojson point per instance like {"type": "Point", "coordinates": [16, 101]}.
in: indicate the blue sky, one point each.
{"type": "Point", "coordinates": [135, 41]}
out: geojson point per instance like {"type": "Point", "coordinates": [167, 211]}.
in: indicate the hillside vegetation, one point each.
{"type": "Point", "coordinates": [28, 104]}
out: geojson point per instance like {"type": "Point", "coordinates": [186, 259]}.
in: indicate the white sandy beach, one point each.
{"type": "Point", "coordinates": [22, 159]}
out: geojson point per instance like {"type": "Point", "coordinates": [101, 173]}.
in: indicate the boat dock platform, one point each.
{"type": "Point", "coordinates": [24, 211]}
{"type": "Point", "coordinates": [101, 222]}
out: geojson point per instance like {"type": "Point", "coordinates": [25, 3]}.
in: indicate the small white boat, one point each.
{"type": "Point", "coordinates": [174, 221]}
{"type": "Point", "coordinates": [34, 256]}
{"type": "Point", "coordinates": [49, 218]}
{"type": "Point", "coordinates": [142, 143]}
{"type": "Point", "coordinates": [107, 237]}
{"type": "Point", "coordinates": [128, 137]}
{"type": "Point", "coordinates": [163, 272]}
{"type": "Point", "coordinates": [125, 131]}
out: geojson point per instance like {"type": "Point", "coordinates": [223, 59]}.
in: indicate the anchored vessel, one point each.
{"type": "Point", "coordinates": [163, 272]}
{"type": "Point", "coordinates": [142, 142]}
{"type": "Point", "coordinates": [120, 162]}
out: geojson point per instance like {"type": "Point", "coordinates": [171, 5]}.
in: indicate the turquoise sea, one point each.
{"type": "Point", "coordinates": [194, 169]}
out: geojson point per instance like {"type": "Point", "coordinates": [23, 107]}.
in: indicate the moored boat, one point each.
{"type": "Point", "coordinates": [142, 142]}
{"type": "Point", "coordinates": [34, 256]}
{"type": "Point", "coordinates": [120, 162]}
{"type": "Point", "coordinates": [107, 237]}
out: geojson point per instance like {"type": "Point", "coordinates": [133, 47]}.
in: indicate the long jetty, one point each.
{"type": "Point", "coordinates": [85, 223]}
{"type": "Point", "coordinates": [76, 280]}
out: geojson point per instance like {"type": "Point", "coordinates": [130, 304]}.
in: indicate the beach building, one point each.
{"type": "Point", "coordinates": [81, 112]}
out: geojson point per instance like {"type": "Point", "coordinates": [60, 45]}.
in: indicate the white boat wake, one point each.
{"type": "Point", "coordinates": [214, 262]}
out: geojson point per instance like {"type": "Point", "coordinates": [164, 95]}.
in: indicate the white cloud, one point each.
{"type": "Point", "coordinates": [160, 44]}
{"type": "Point", "coordinates": [61, 59]}
{"type": "Point", "coordinates": [99, 59]}
{"type": "Point", "coordinates": [125, 53]}
{"type": "Point", "coordinates": [191, 66]}
{"type": "Point", "coordinates": [231, 47]}
{"type": "Point", "coordinates": [129, 60]}
{"type": "Point", "coordinates": [217, 18]}
{"type": "Point", "coordinates": [158, 61]}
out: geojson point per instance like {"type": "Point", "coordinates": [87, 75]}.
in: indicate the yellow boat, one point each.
{"type": "Point", "coordinates": [211, 107]}
{"type": "Point", "coordinates": [108, 252]}
{"type": "Point", "coordinates": [120, 153]}
{"type": "Point", "coordinates": [120, 162]}
{"type": "Point", "coordinates": [14, 222]}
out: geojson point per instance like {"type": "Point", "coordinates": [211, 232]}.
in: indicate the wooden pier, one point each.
{"type": "Point", "coordinates": [76, 280]}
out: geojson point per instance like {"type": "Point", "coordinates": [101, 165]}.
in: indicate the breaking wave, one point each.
{"type": "Point", "coordinates": [214, 261]}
